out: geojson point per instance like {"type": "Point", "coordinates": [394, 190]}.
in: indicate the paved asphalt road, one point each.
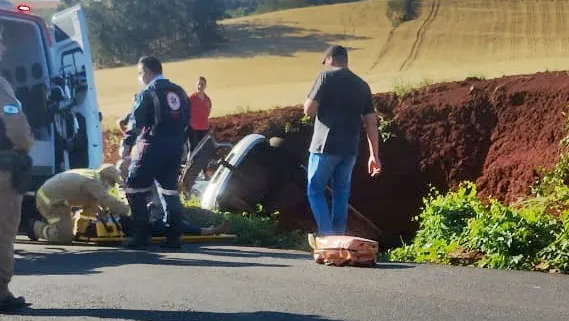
{"type": "Point", "coordinates": [216, 282]}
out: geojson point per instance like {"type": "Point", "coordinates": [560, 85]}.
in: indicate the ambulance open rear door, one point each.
{"type": "Point", "coordinates": [77, 121]}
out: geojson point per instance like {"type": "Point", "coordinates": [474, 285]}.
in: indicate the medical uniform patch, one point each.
{"type": "Point", "coordinates": [173, 101]}
{"type": "Point", "coordinates": [11, 109]}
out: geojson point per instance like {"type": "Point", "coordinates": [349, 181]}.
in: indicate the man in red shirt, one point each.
{"type": "Point", "coordinates": [200, 105]}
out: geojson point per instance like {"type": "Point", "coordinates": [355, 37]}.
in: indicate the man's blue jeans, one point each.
{"type": "Point", "coordinates": [336, 170]}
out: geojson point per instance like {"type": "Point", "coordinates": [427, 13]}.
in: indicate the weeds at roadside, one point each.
{"type": "Point", "coordinates": [402, 89]}
{"type": "Point", "coordinates": [531, 234]}
{"type": "Point", "coordinates": [385, 127]}
{"type": "Point", "coordinates": [476, 76]}
{"type": "Point", "coordinates": [296, 126]}
{"type": "Point", "coordinates": [252, 229]}
{"type": "Point", "coordinates": [257, 230]}
{"type": "Point", "coordinates": [242, 109]}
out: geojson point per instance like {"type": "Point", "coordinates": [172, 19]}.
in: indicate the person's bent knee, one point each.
{"type": "Point", "coordinates": [55, 235]}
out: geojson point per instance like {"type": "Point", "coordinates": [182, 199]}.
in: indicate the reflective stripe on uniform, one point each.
{"type": "Point", "coordinates": [41, 195]}
{"type": "Point", "coordinates": [169, 192]}
{"type": "Point", "coordinates": [53, 220]}
{"type": "Point", "coordinates": [130, 190]}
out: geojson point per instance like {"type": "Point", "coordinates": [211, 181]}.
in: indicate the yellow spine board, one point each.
{"type": "Point", "coordinates": [184, 238]}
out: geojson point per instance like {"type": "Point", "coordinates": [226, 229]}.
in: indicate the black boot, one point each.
{"type": "Point", "coordinates": [29, 228]}
{"type": "Point", "coordinates": [173, 213]}
{"type": "Point", "coordinates": [11, 303]}
{"type": "Point", "coordinates": [140, 238]}
{"type": "Point", "coordinates": [172, 241]}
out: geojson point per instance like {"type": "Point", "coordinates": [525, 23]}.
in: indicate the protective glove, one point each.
{"type": "Point", "coordinates": [124, 151]}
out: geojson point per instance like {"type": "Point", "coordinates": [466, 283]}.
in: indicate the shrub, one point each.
{"type": "Point", "coordinates": [458, 228]}
{"type": "Point", "coordinates": [399, 11]}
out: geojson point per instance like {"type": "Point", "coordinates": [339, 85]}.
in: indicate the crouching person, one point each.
{"type": "Point", "coordinates": [85, 188]}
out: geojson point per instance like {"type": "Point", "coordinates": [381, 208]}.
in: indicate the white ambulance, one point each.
{"type": "Point", "coordinates": [50, 69]}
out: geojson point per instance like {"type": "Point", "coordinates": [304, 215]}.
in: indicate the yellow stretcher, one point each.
{"type": "Point", "coordinates": [158, 239]}
{"type": "Point", "coordinates": [90, 230]}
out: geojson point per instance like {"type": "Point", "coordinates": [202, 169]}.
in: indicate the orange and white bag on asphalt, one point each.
{"type": "Point", "coordinates": [343, 250]}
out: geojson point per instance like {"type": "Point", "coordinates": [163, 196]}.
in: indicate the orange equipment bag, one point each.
{"type": "Point", "coordinates": [343, 250]}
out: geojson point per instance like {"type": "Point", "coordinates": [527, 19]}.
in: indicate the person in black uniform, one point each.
{"type": "Point", "coordinates": [159, 120]}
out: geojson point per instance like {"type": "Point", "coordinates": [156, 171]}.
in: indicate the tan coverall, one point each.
{"type": "Point", "coordinates": [85, 188]}
{"type": "Point", "coordinates": [17, 130]}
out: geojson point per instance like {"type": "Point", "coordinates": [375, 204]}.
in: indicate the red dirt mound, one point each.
{"type": "Point", "coordinates": [494, 132]}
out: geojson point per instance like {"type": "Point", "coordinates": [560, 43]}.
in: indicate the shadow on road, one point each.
{"type": "Point", "coordinates": [87, 262]}
{"type": "Point", "coordinates": [253, 254]}
{"type": "Point", "coordinates": [393, 266]}
{"type": "Point", "coordinates": [152, 315]}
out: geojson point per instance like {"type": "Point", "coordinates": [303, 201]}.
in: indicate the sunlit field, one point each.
{"type": "Point", "coordinates": [271, 60]}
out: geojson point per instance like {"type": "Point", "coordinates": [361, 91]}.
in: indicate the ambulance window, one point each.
{"type": "Point", "coordinates": [37, 71]}
{"type": "Point", "coordinates": [70, 61]}
{"type": "Point", "coordinates": [25, 48]}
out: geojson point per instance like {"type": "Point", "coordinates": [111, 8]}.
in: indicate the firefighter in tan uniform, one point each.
{"type": "Point", "coordinates": [15, 142]}
{"type": "Point", "coordinates": [85, 188]}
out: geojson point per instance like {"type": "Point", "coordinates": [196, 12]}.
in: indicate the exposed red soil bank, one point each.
{"type": "Point", "coordinates": [494, 132]}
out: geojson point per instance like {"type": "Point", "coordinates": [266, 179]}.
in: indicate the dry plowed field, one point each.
{"type": "Point", "coordinates": [271, 60]}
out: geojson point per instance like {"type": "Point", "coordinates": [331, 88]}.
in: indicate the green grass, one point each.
{"type": "Point", "coordinates": [258, 229]}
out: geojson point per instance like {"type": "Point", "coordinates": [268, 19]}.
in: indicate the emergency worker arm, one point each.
{"type": "Point", "coordinates": [143, 111]}
{"type": "Point", "coordinates": [129, 139]}
{"type": "Point", "coordinates": [123, 122]}
{"type": "Point", "coordinates": [15, 123]}
{"type": "Point", "coordinates": [99, 192]}
{"type": "Point", "coordinates": [136, 121]}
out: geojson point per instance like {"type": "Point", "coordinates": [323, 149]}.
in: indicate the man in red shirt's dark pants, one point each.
{"type": "Point", "coordinates": [200, 106]}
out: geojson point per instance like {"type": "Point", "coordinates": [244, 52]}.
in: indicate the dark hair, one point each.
{"type": "Point", "coordinates": [151, 63]}
{"type": "Point", "coordinates": [203, 78]}
{"type": "Point", "coordinates": [338, 54]}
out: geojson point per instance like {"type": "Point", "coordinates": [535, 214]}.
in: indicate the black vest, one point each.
{"type": "Point", "coordinates": [170, 110]}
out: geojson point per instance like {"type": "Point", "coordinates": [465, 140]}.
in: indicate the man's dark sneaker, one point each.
{"type": "Point", "coordinates": [29, 228]}
{"type": "Point", "coordinates": [171, 244]}
{"type": "Point", "coordinates": [11, 303]}
{"type": "Point", "coordinates": [136, 242]}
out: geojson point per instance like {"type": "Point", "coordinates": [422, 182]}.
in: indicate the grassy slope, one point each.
{"type": "Point", "coordinates": [273, 58]}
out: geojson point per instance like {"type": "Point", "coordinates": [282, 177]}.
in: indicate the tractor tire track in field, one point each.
{"type": "Point", "coordinates": [383, 49]}
{"type": "Point", "coordinates": [421, 35]}
{"type": "Point", "coordinates": [348, 25]}
{"type": "Point", "coordinates": [385, 46]}
{"type": "Point", "coordinates": [560, 23]}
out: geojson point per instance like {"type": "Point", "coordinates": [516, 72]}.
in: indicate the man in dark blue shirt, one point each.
{"type": "Point", "coordinates": [339, 101]}
{"type": "Point", "coordinates": [158, 124]}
